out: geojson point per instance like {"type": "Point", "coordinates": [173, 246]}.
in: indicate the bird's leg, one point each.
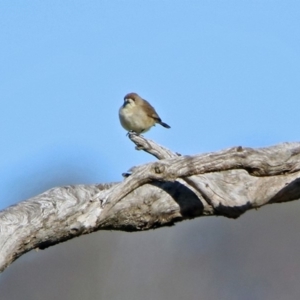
{"type": "Point", "coordinates": [130, 132]}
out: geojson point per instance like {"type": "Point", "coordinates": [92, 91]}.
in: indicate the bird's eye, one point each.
{"type": "Point", "coordinates": [128, 99]}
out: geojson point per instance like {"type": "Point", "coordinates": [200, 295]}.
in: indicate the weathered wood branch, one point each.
{"type": "Point", "coordinates": [228, 183]}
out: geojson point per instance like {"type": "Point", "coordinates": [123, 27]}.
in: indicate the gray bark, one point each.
{"type": "Point", "coordinates": [227, 183]}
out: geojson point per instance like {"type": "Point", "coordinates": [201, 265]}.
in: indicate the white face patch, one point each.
{"type": "Point", "coordinates": [129, 102]}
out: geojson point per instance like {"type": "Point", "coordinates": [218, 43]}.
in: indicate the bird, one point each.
{"type": "Point", "coordinates": [138, 115]}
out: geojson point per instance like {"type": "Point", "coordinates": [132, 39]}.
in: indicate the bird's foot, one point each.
{"type": "Point", "coordinates": [132, 132]}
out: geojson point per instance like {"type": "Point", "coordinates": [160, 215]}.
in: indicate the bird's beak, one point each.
{"type": "Point", "coordinates": [125, 102]}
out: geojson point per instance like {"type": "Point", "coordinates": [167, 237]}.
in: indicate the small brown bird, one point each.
{"type": "Point", "coordinates": [137, 114]}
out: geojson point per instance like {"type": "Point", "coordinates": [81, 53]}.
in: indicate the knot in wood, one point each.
{"type": "Point", "coordinates": [158, 169]}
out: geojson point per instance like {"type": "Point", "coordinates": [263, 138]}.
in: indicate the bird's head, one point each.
{"type": "Point", "coordinates": [132, 99]}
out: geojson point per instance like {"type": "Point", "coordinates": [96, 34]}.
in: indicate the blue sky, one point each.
{"type": "Point", "coordinates": [221, 73]}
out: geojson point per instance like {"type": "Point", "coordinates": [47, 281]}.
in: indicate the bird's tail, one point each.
{"type": "Point", "coordinates": [164, 124]}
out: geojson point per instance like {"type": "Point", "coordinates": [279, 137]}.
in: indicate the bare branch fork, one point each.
{"type": "Point", "coordinates": [228, 183]}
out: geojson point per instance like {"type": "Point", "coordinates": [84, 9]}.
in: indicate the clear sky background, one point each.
{"type": "Point", "coordinates": [221, 73]}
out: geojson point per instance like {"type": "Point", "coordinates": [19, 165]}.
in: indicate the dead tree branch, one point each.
{"type": "Point", "coordinates": [227, 183]}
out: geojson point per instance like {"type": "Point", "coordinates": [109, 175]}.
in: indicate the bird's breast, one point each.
{"type": "Point", "coordinates": [135, 119]}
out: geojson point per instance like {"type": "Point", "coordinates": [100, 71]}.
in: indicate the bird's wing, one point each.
{"type": "Point", "coordinates": [151, 111]}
